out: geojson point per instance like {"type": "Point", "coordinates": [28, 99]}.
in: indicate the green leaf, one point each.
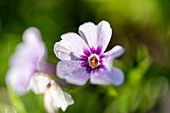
{"type": "Point", "coordinates": [4, 108]}
{"type": "Point", "coordinates": [136, 74]}
{"type": "Point", "coordinates": [16, 101]}
{"type": "Point", "coordinates": [142, 53]}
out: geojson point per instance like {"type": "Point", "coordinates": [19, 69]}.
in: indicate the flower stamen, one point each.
{"type": "Point", "coordinates": [93, 62]}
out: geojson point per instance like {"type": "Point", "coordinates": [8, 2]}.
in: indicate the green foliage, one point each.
{"type": "Point", "coordinates": [139, 95]}
{"type": "Point", "coordinates": [6, 108]}
{"type": "Point", "coordinates": [16, 101]}
{"type": "Point", "coordinates": [33, 103]}
{"type": "Point", "coordinates": [144, 61]}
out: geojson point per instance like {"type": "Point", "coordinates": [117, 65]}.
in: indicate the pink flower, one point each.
{"type": "Point", "coordinates": [83, 56]}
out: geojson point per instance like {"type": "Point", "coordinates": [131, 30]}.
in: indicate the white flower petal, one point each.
{"type": "Point", "coordinates": [63, 52]}
{"type": "Point", "coordinates": [48, 102]}
{"type": "Point", "coordinates": [39, 82]}
{"type": "Point", "coordinates": [88, 32]}
{"type": "Point", "coordinates": [96, 35]}
{"type": "Point", "coordinates": [115, 52]}
{"type": "Point", "coordinates": [111, 55]}
{"type": "Point", "coordinates": [72, 72]}
{"type": "Point", "coordinates": [104, 33]}
{"type": "Point", "coordinates": [115, 77]}
{"type": "Point", "coordinates": [70, 47]}
{"type": "Point", "coordinates": [68, 98]}
{"type": "Point", "coordinates": [55, 98]}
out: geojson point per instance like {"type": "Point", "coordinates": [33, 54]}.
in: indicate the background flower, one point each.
{"type": "Point", "coordinates": [30, 57]}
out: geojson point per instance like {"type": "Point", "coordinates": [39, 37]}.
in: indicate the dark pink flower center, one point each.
{"type": "Point", "coordinates": [92, 60]}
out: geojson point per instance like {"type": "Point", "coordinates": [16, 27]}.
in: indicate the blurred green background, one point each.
{"type": "Point", "coordinates": [142, 27]}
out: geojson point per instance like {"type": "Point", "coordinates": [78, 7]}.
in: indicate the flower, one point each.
{"type": "Point", "coordinates": [83, 56]}
{"type": "Point", "coordinates": [30, 57]}
{"type": "Point", "coordinates": [54, 97]}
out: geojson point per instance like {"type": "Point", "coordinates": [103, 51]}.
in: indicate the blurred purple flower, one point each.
{"type": "Point", "coordinates": [30, 57]}
{"type": "Point", "coordinates": [83, 58]}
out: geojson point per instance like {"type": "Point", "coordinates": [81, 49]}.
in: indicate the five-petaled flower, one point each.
{"type": "Point", "coordinates": [30, 57]}
{"type": "Point", "coordinates": [83, 56]}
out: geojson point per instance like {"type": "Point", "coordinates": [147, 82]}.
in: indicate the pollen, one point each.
{"type": "Point", "coordinates": [84, 45]}
{"type": "Point", "coordinates": [93, 62]}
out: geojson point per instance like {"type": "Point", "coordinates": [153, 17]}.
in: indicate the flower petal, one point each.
{"type": "Point", "coordinates": [32, 35]}
{"type": "Point", "coordinates": [18, 77]}
{"type": "Point", "coordinates": [55, 98]}
{"type": "Point", "coordinates": [39, 82]}
{"type": "Point", "coordinates": [68, 98]}
{"type": "Point", "coordinates": [115, 52]}
{"type": "Point", "coordinates": [48, 102]}
{"type": "Point", "coordinates": [31, 49]}
{"type": "Point", "coordinates": [63, 53]}
{"type": "Point", "coordinates": [96, 35]}
{"type": "Point", "coordinates": [32, 38]}
{"type": "Point", "coordinates": [115, 76]}
{"type": "Point", "coordinates": [29, 55]}
{"type": "Point", "coordinates": [72, 72]}
{"type": "Point", "coordinates": [108, 62]}
{"type": "Point", "coordinates": [47, 67]}
{"type": "Point", "coordinates": [88, 31]}
{"type": "Point", "coordinates": [110, 55]}
{"type": "Point", "coordinates": [104, 33]}
{"type": "Point", "coordinates": [70, 47]}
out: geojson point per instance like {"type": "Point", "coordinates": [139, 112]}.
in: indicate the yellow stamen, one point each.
{"type": "Point", "coordinates": [93, 62]}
